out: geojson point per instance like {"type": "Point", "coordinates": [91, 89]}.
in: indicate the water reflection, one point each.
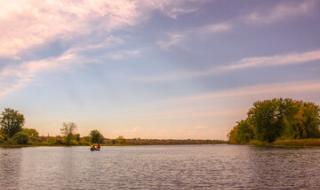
{"type": "Point", "coordinates": [160, 167]}
{"type": "Point", "coordinates": [10, 164]}
{"type": "Point", "coordinates": [285, 168]}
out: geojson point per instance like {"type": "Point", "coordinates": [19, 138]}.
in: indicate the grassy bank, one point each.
{"type": "Point", "coordinates": [287, 142]}
{"type": "Point", "coordinates": [297, 142]}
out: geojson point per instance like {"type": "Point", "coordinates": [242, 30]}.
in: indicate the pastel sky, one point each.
{"type": "Point", "coordinates": [155, 68]}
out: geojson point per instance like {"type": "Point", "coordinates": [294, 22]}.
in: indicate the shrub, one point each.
{"type": "Point", "coordinates": [21, 138]}
{"type": "Point", "coordinates": [2, 139]}
{"type": "Point", "coordinates": [96, 137]}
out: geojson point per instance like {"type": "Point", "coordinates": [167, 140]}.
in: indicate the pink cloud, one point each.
{"type": "Point", "coordinates": [24, 24]}
{"type": "Point", "coordinates": [245, 63]}
{"type": "Point", "coordinates": [259, 91]}
{"type": "Point", "coordinates": [281, 12]}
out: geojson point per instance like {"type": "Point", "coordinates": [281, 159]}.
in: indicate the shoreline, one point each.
{"type": "Point", "coordinates": [301, 143]}
{"type": "Point", "coordinates": [112, 142]}
{"type": "Point", "coordinates": [26, 146]}
{"type": "Point", "coordinates": [293, 143]}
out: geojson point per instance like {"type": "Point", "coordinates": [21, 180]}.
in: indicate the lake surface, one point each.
{"type": "Point", "coordinates": [160, 167]}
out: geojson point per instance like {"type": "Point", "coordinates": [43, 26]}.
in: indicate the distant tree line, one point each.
{"type": "Point", "coordinates": [138, 141]}
{"type": "Point", "coordinates": [12, 132]}
{"type": "Point", "coordinates": [270, 120]}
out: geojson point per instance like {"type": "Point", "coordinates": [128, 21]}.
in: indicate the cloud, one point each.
{"type": "Point", "coordinates": [281, 12]}
{"type": "Point", "coordinates": [174, 39]}
{"type": "Point", "coordinates": [178, 39]}
{"type": "Point", "coordinates": [97, 44]}
{"type": "Point", "coordinates": [275, 60]}
{"type": "Point", "coordinates": [24, 24]}
{"type": "Point", "coordinates": [176, 12]}
{"type": "Point", "coordinates": [15, 77]}
{"type": "Point", "coordinates": [266, 90]}
{"type": "Point", "coordinates": [216, 28]}
{"type": "Point", "coordinates": [87, 25]}
{"type": "Point", "coordinates": [173, 9]}
{"type": "Point", "coordinates": [123, 54]}
{"type": "Point", "coordinates": [245, 63]}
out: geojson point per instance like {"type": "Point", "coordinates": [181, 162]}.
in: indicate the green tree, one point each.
{"type": "Point", "coordinates": [278, 119]}
{"type": "Point", "coordinates": [11, 122]}
{"type": "Point", "coordinates": [120, 140]}
{"type": "Point", "coordinates": [68, 131]}
{"type": "Point", "coordinates": [301, 120]}
{"type": "Point", "coordinates": [289, 109]}
{"type": "Point", "coordinates": [242, 133]}
{"type": "Point", "coordinates": [96, 137]}
{"type": "Point", "coordinates": [77, 137]}
{"type": "Point", "coordinates": [21, 138]}
{"type": "Point", "coordinates": [310, 119]}
{"type": "Point", "coordinates": [265, 116]}
{"type": "Point", "coordinates": [32, 133]}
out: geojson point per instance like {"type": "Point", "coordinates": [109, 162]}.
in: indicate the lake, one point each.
{"type": "Point", "coordinates": [160, 167]}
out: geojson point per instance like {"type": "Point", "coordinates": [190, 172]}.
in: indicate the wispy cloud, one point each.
{"type": "Point", "coordinates": [281, 12]}
{"type": "Point", "coordinates": [267, 90]}
{"type": "Point", "coordinates": [178, 39]}
{"type": "Point", "coordinates": [24, 24]}
{"type": "Point", "coordinates": [275, 60]}
{"type": "Point", "coordinates": [173, 39]}
{"type": "Point", "coordinates": [215, 28]}
{"type": "Point", "coordinates": [245, 63]}
{"type": "Point", "coordinates": [28, 24]}
{"type": "Point", "coordinates": [15, 77]}
{"type": "Point", "coordinates": [176, 12]}
{"type": "Point", "coordinates": [123, 54]}
{"type": "Point", "coordinates": [173, 9]}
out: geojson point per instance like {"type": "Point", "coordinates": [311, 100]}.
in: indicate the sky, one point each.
{"type": "Point", "coordinates": [182, 69]}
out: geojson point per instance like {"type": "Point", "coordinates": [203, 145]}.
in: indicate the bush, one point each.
{"type": "Point", "coordinates": [21, 138]}
{"type": "Point", "coordinates": [2, 139]}
{"type": "Point", "coordinates": [32, 134]}
{"type": "Point", "coordinates": [95, 137]}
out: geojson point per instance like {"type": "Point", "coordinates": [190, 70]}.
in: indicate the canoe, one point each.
{"type": "Point", "coordinates": [94, 149]}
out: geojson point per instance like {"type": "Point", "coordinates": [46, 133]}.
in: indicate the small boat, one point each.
{"type": "Point", "coordinates": [95, 148]}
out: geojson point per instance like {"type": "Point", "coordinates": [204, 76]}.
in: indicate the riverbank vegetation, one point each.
{"type": "Point", "coordinates": [14, 134]}
{"type": "Point", "coordinates": [279, 122]}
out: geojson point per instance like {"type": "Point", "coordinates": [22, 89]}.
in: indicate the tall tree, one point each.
{"type": "Point", "coordinates": [265, 116]}
{"type": "Point", "coordinates": [96, 136]}
{"type": "Point", "coordinates": [68, 130]}
{"type": "Point", "coordinates": [11, 122]}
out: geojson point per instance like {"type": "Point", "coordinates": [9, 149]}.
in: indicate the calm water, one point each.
{"type": "Point", "coordinates": [160, 167]}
